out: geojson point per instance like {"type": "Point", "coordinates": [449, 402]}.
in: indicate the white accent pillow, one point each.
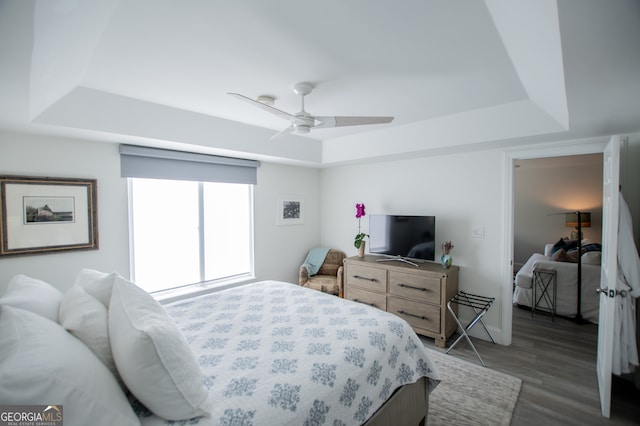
{"type": "Point", "coordinates": [97, 284]}
{"type": "Point", "coordinates": [40, 363]}
{"type": "Point", "coordinates": [86, 318]}
{"type": "Point", "coordinates": [33, 295]}
{"type": "Point", "coordinates": [153, 357]}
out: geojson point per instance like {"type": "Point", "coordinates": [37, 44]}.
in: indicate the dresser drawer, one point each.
{"type": "Point", "coordinates": [420, 315]}
{"type": "Point", "coordinates": [357, 294]}
{"type": "Point", "coordinates": [367, 277]}
{"type": "Point", "coordinates": [418, 287]}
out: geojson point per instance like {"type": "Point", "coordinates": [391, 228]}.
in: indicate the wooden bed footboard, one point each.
{"type": "Point", "coordinates": [408, 406]}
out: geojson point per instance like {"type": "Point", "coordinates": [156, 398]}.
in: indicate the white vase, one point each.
{"type": "Point", "coordinates": [361, 248]}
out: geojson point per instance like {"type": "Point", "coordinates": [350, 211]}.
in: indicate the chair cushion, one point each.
{"type": "Point", "coordinates": [323, 283]}
{"type": "Point", "coordinates": [332, 262]}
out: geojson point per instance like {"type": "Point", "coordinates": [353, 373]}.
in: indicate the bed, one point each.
{"type": "Point", "coordinates": [265, 353]}
{"type": "Point", "coordinates": [567, 282]}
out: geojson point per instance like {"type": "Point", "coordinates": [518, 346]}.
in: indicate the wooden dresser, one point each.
{"type": "Point", "coordinates": [419, 295]}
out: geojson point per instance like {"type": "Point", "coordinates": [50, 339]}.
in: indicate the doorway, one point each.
{"type": "Point", "coordinates": [511, 157]}
{"type": "Point", "coordinates": [544, 190]}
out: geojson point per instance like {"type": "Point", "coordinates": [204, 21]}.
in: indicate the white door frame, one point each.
{"type": "Point", "coordinates": [557, 149]}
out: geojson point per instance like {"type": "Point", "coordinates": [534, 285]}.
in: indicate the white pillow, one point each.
{"type": "Point", "coordinates": [33, 295]}
{"type": "Point", "coordinates": [153, 357]}
{"type": "Point", "coordinates": [40, 363]}
{"type": "Point", "coordinates": [97, 284]}
{"type": "Point", "coordinates": [86, 318]}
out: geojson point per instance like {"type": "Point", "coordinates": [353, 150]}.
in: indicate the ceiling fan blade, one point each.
{"type": "Point", "coordinates": [268, 108]}
{"type": "Point", "coordinates": [283, 132]}
{"type": "Point", "coordinates": [350, 121]}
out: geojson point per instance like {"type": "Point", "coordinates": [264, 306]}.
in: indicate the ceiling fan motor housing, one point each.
{"type": "Point", "coordinates": [302, 89]}
{"type": "Point", "coordinates": [301, 129]}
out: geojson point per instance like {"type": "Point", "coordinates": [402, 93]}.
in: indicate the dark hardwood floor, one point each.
{"type": "Point", "coordinates": [557, 364]}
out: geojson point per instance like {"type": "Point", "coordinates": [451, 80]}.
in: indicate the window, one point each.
{"type": "Point", "coordinates": [185, 232]}
{"type": "Point", "coordinates": [191, 217]}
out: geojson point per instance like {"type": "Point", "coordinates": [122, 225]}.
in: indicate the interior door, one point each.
{"type": "Point", "coordinates": [608, 277]}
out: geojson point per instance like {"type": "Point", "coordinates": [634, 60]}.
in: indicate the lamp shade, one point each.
{"type": "Point", "coordinates": [571, 220]}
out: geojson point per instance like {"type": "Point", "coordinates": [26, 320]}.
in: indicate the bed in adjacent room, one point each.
{"type": "Point", "coordinates": [264, 353]}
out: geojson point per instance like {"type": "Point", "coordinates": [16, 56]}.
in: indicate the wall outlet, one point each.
{"type": "Point", "coordinates": [478, 232]}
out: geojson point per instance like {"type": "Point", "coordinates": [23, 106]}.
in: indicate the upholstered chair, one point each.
{"type": "Point", "coordinates": [329, 278]}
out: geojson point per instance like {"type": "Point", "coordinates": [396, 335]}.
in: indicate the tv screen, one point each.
{"type": "Point", "coordinates": [404, 236]}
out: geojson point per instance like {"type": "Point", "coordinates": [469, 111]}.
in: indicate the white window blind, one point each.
{"type": "Point", "coordinates": [155, 163]}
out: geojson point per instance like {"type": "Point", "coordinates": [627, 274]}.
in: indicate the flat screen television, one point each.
{"type": "Point", "coordinates": [402, 236]}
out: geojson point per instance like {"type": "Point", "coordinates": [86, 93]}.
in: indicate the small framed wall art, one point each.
{"type": "Point", "coordinates": [290, 210]}
{"type": "Point", "coordinates": [45, 215]}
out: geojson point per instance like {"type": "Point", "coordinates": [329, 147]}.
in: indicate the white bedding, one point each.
{"type": "Point", "coordinates": [276, 353]}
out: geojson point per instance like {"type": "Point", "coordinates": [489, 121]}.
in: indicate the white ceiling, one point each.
{"type": "Point", "coordinates": [464, 74]}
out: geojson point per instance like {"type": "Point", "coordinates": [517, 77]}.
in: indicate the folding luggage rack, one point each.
{"type": "Point", "coordinates": [480, 305]}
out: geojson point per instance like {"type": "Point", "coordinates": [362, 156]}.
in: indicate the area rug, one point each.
{"type": "Point", "coordinates": [471, 394]}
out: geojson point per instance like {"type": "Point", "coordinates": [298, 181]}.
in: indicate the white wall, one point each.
{"type": "Point", "coordinates": [544, 187]}
{"type": "Point", "coordinates": [463, 191]}
{"type": "Point", "coordinates": [279, 249]}
{"type": "Point", "coordinates": [46, 156]}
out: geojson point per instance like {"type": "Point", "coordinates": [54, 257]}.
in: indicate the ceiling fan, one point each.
{"type": "Point", "coordinates": [302, 122]}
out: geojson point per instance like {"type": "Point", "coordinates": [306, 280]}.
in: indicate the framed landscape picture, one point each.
{"type": "Point", "coordinates": [290, 210]}
{"type": "Point", "coordinates": [43, 215]}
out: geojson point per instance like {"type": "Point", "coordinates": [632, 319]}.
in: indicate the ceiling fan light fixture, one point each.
{"type": "Point", "coordinates": [301, 129]}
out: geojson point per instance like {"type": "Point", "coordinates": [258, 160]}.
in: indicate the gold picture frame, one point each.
{"type": "Point", "coordinates": [41, 215]}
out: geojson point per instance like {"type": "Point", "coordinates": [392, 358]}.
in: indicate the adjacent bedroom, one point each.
{"type": "Point", "coordinates": [548, 193]}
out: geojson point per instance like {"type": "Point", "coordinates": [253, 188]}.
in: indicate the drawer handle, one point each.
{"type": "Point", "coordinates": [412, 287]}
{"type": "Point", "coordinates": [422, 317]}
{"type": "Point", "coordinates": [365, 303]}
{"type": "Point", "coordinates": [358, 277]}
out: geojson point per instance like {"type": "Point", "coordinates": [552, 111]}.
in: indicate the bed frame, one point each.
{"type": "Point", "coordinates": [408, 405]}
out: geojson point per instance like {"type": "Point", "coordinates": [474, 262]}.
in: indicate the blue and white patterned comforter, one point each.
{"type": "Point", "coordinates": [276, 353]}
